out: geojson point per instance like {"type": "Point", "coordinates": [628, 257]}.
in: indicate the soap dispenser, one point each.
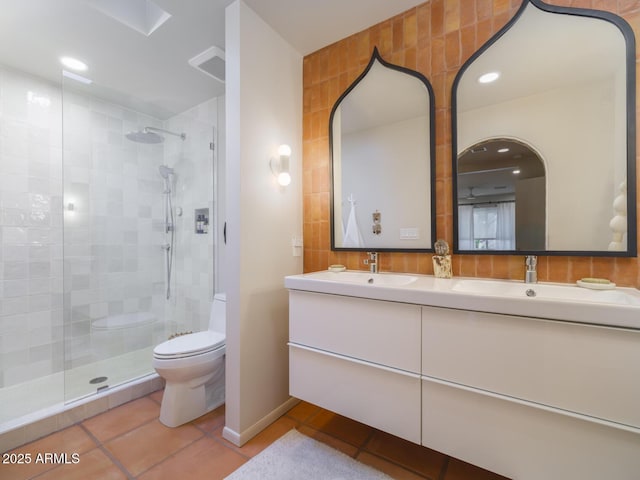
{"type": "Point", "coordinates": [442, 260]}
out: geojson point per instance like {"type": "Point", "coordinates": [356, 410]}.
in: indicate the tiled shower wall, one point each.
{"type": "Point", "coordinates": [31, 319]}
{"type": "Point", "coordinates": [435, 38]}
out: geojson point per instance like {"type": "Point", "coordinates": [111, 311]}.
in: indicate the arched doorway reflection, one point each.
{"type": "Point", "coordinates": [501, 197]}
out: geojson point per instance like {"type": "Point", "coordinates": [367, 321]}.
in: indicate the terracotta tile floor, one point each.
{"type": "Point", "coordinates": [129, 442]}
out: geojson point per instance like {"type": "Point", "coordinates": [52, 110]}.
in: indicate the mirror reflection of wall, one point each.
{"type": "Point", "coordinates": [561, 88]}
{"type": "Point", "coordinates": [382, 161]}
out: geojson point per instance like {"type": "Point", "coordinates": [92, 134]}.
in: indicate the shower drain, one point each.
{"type": "Point", "coordinates": [93, 381]}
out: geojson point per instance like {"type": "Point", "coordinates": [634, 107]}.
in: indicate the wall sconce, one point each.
{"type": "Point", "coordinates": [280, 165]}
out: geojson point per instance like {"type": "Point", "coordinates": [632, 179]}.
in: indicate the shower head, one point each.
{"type": "Point", "coordinates": [151, 135]}
{"type": "Point", "coordinates": [144, 136]}
{"type": "Point", "coordinates": [165, 171]}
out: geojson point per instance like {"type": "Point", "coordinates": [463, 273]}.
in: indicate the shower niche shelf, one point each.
{"type": "Point", "coordinates": [201, 221]}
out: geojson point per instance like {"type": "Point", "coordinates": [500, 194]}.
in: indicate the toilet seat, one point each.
{"type": "Point", "coordinates": [189, 345]}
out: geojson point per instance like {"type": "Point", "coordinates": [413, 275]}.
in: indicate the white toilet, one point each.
{"type": "Point", "coordinates": [193, 368]}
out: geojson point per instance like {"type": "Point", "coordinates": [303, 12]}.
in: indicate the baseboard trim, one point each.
{"type": "Point", "coordinates": [243, 437]}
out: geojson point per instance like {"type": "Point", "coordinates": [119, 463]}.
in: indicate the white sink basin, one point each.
{"type": "Point", "coordinates": [363, 278]}
{"type": "Point", "coordinates": [619, 307]}
{"type": "Point", "coordinates": [570, 293]}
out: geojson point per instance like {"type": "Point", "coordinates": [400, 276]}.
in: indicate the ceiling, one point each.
{"type": "Point", "coordinates": [151, 73]}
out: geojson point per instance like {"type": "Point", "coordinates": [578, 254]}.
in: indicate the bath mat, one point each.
{"type": "Point", "coordinates": [295, 456]}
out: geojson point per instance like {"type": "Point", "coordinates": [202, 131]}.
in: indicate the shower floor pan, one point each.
{"type": "Point", "coordinates": [30, 401]}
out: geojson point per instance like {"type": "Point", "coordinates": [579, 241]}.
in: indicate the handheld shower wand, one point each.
{"type": "Point", "coordinates": [167, 174]}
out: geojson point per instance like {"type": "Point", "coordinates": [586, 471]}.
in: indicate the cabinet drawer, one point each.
{"type": "Point", "coordinates": [521, 441]}
{"type": "Point", "coordinates": [586, 369]}
{"type": "Point", "coordinates": [381, 332]}
{"type": "Point", "coordinates": [380, 397]}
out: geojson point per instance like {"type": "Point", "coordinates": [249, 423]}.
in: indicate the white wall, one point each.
{"type": "Point", "coordinates": [386, 169]}
{"type": "Point", "coordinates": [264, 109]}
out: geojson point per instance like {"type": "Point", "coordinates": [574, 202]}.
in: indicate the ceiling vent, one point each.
{"type": "Point", "coordinates": [211, 62]}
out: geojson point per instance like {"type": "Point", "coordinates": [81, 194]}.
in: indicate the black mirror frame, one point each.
{"type": "Point", "coordinates": [629, 38]}
{"type": "Point", "coordinates": [375, 56]}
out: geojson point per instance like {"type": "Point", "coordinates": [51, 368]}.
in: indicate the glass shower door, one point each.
{"type": "Point", "coordinates": [31, 331]}
{"type": "Point", "coordinates": [113, 262]}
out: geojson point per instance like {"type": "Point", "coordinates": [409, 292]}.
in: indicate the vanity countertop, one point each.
{"type": "Point", "coordinates": [619, 307]}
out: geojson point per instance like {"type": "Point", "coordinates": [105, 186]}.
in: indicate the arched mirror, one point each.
{"type": "Point", "coordinates": [551, 97]}
{"type": "Point", "coordinates": [382, 161]}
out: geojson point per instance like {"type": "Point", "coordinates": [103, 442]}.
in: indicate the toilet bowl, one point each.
{"type": "Point", "coordinates": [193, 368]}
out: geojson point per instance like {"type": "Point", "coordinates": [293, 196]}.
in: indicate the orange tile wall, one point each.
{"type": "Point", "coordinates": [435, 38]}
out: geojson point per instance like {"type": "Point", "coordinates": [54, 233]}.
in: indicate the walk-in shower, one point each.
{"type": "Point", "coordinates": [88, 203]}
{"type": "Point", "coordinates": [93, 250]}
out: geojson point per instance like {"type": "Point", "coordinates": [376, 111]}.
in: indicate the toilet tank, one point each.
{"type": "Point", "coordinates": [218, 316]}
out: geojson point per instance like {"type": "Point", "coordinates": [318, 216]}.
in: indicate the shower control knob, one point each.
{"type": "Point", "coordinates": [179, 211]}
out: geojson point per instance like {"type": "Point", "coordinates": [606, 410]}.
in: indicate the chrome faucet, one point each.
{"type": "Point", "coordinates": [372, 261]}
{"type": "Point", "coordinates": [531, 274]}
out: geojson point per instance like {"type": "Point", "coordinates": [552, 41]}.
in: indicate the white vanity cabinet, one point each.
{"type": "Point", "coordinates": [543, 387]}
{"type": "Point", "coordinates": [357, 357]}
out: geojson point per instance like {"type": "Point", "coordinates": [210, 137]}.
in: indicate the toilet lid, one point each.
{"type": "Point", "coordinates": [190, 344]}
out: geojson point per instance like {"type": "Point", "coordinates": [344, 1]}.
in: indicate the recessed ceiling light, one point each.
{"type": "Point", "coordinates": [73, 64]}
{"type": "Point", "coordinates": [503, 150]}
{"type": "Point", "coordinates": [488, 77]}
{"type": "Point", "coordinates": [516, 172]}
